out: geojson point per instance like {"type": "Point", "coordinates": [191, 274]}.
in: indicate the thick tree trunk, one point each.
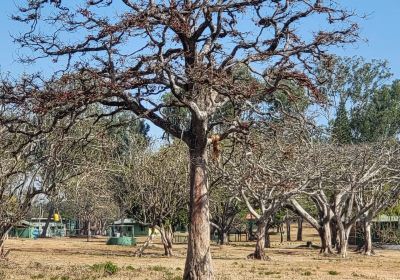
{"type": "Point", "coordinates": [334, 234]}
{"type": "Point", "coordinates": [198, 259]}
{"type": "Point", "coordinates": [261, 235]}
{"type": "Point", "coordinates": [223, 238]}
{"type": "Point", "coordinates": [326, 239]}
{"type": "Point", "coordinates": [167, 237]}
{"type": "Point", "coordinates": [343, 240]}
{"type": "Point", "coordinates": [288, 237]}
{"type": "Point", "coordinates": [46, 225]}
{"type": "Point", "coordinates": [367, 239]}
{"type": "Point", "coordinates": [299, 229]}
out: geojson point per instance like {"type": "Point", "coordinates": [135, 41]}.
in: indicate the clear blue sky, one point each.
{"type": "Point", "coordinates": [381, 29]}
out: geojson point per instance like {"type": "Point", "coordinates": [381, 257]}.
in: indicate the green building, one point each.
{"type": "Point", "coordinates": [26, 229]}
{"type": "Point", "coordinates": [23, 230]}
{"type": "Point", "coordinates": [124, 231]}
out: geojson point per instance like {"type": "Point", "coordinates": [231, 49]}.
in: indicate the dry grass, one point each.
{"type": "Point", "coordinates": [72, 259]}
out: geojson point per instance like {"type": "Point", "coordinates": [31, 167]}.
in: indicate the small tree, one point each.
{"type": "Point", "coordinates": [224, 211]}
{"type": "Point", "coordinates": [267, 175]}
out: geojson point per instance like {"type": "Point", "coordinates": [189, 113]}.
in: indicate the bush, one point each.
{"type": "Point", "coordinates": [333, 272]}
{"type": "Point", "coordinates": [105, 268]}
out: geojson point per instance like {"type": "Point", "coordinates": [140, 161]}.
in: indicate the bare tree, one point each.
{"type": "Point", "coordinates": [16, 193]}
{"type": "Point", "coordinates": [348, 187]}
{"type": "Point", "coordinates": [267, 175]}
{"type": "Point", "coordinates": [189, 49]}
{"type": "Point", "coordinates": [224, 210]}
{"type": "Point", "coordinates": [156, 186]}
{"type": "Point", "coordinates": [26, 172]}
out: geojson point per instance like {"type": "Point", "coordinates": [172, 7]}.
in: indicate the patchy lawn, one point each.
{"type": "Point", "coordinates": [73, 259]}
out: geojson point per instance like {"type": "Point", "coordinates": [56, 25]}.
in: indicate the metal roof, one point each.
{"type": "Point", "coordinates": [386, 218]}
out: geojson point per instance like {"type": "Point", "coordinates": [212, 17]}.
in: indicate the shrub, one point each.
{"type": "Point", "coordinates": [105, 268]}
{"type": "Point", "coordinates": [158, 268]}
{"type": "Point", "coordinates": [39, 276]}
{"type": "Point", "coordinates": [333, 272]}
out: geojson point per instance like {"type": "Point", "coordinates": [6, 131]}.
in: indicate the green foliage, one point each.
{"type": "Point", "coordinates": [158, 268]}
{"type": "Point", "coordinates": [341, 131]}
{"type": "Point", "coordinates": [359, 86]}
{"type": "Point", "coordinates": [333, 272]}
{"type": "Point", "coordinates": [107, 268]}
{"type": "Point", "coordinates": [379, 116]}
{"type": "Point", "coordinates": [39, 276]}
{"type": "Point", "coordinates": [393, 211]}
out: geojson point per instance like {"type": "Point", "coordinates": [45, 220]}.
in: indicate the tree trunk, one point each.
{"type": "Point", "coordinates": [299, 229]}
{"type": "Point", "coordinates": [46, 225]}
{"type": "Point", "coordinates": [198, 259]}
{"type": "Point", "coordinates": [288, 237]}
{"type": "Point", "coordinates": [334, 234]}
{"type": "Point", "coordinates": [250, 229]}
{"type": "Point", "coordinates": [88, 230]}
{"type": "Point", "coordinates": [223, 237]}
{"type": "Point", "coordinates": [343, 239]}
{"type": "Point", "coordinates": [140, 250]}
{"type": "Point", "coordinates": [259, 252]}
{"type": "Point", "coordinates": [3, 236]}
{"type": "Point", "coordinates": [167, 237]}
{"type": "Point", "coordinates": [267, 237]}
{"type": "Point", "coordinates": [326, 239]}
{"type": "Point", "coordinates": [367, 239]}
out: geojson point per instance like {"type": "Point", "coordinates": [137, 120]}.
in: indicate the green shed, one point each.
{"type": "Point", "coordinates": [124, 231]}
{"type": "Point", "coordinates": [23, 230]}
{"type": "Point", "coordinates": [129, 227]}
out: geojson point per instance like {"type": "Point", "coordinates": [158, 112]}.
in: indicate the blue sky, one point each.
{"type": "Point", "coordinates": [381, 29]}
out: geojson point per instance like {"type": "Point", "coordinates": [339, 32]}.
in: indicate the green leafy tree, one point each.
{"type": "Point", "coordinates": [379, 116]}
{"type": "Point", "coordinates": [341, 130]}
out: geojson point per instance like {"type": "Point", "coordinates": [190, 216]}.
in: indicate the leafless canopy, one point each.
{"type": "Point", "coordinates": [138, 50]}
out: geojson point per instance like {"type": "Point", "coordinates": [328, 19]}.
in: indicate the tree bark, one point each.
{"type": "Point", "coordinates": [88, 230]}
{"type": "Point", "coordinates": [299, 229]}
{"type": "Point", "coordinates": [46, 225]}
{"type": "Point", "coordinates": [267, 237]}
{"type": "Point", "coordinates": [223, 237]}
{"type": "Point", "coordinates": [259, 252]}
{"type": "Point", "coordinates": [343, 239]}
{"type": "Point", "coordinates": [140, 250]}
{"type": "Point", "coordinates": [367, 239]}
{"type": "Point", "coordinates": [198, 259]}
{"type": "Point", "coordinates": [334, 235]}
{"type": "Point", "coordinates": [3, 236]}
{"type": "Point", "coordinates": [167, 236]}
{"type": "Point", "coordinates": [326, 239]}
{"type": "Point", "coordinates": [288, 237]}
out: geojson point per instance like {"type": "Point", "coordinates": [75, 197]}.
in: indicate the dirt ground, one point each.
{"type": "Point", "coordinates": [73, 259]}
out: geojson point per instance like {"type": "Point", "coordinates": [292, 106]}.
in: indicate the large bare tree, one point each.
{"type": "Point", "coordinates": [353, 183]}
{"type": "Point", "coordinates": [267, 173]}
{"type": "Point", "coordinates": [140, 50]}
